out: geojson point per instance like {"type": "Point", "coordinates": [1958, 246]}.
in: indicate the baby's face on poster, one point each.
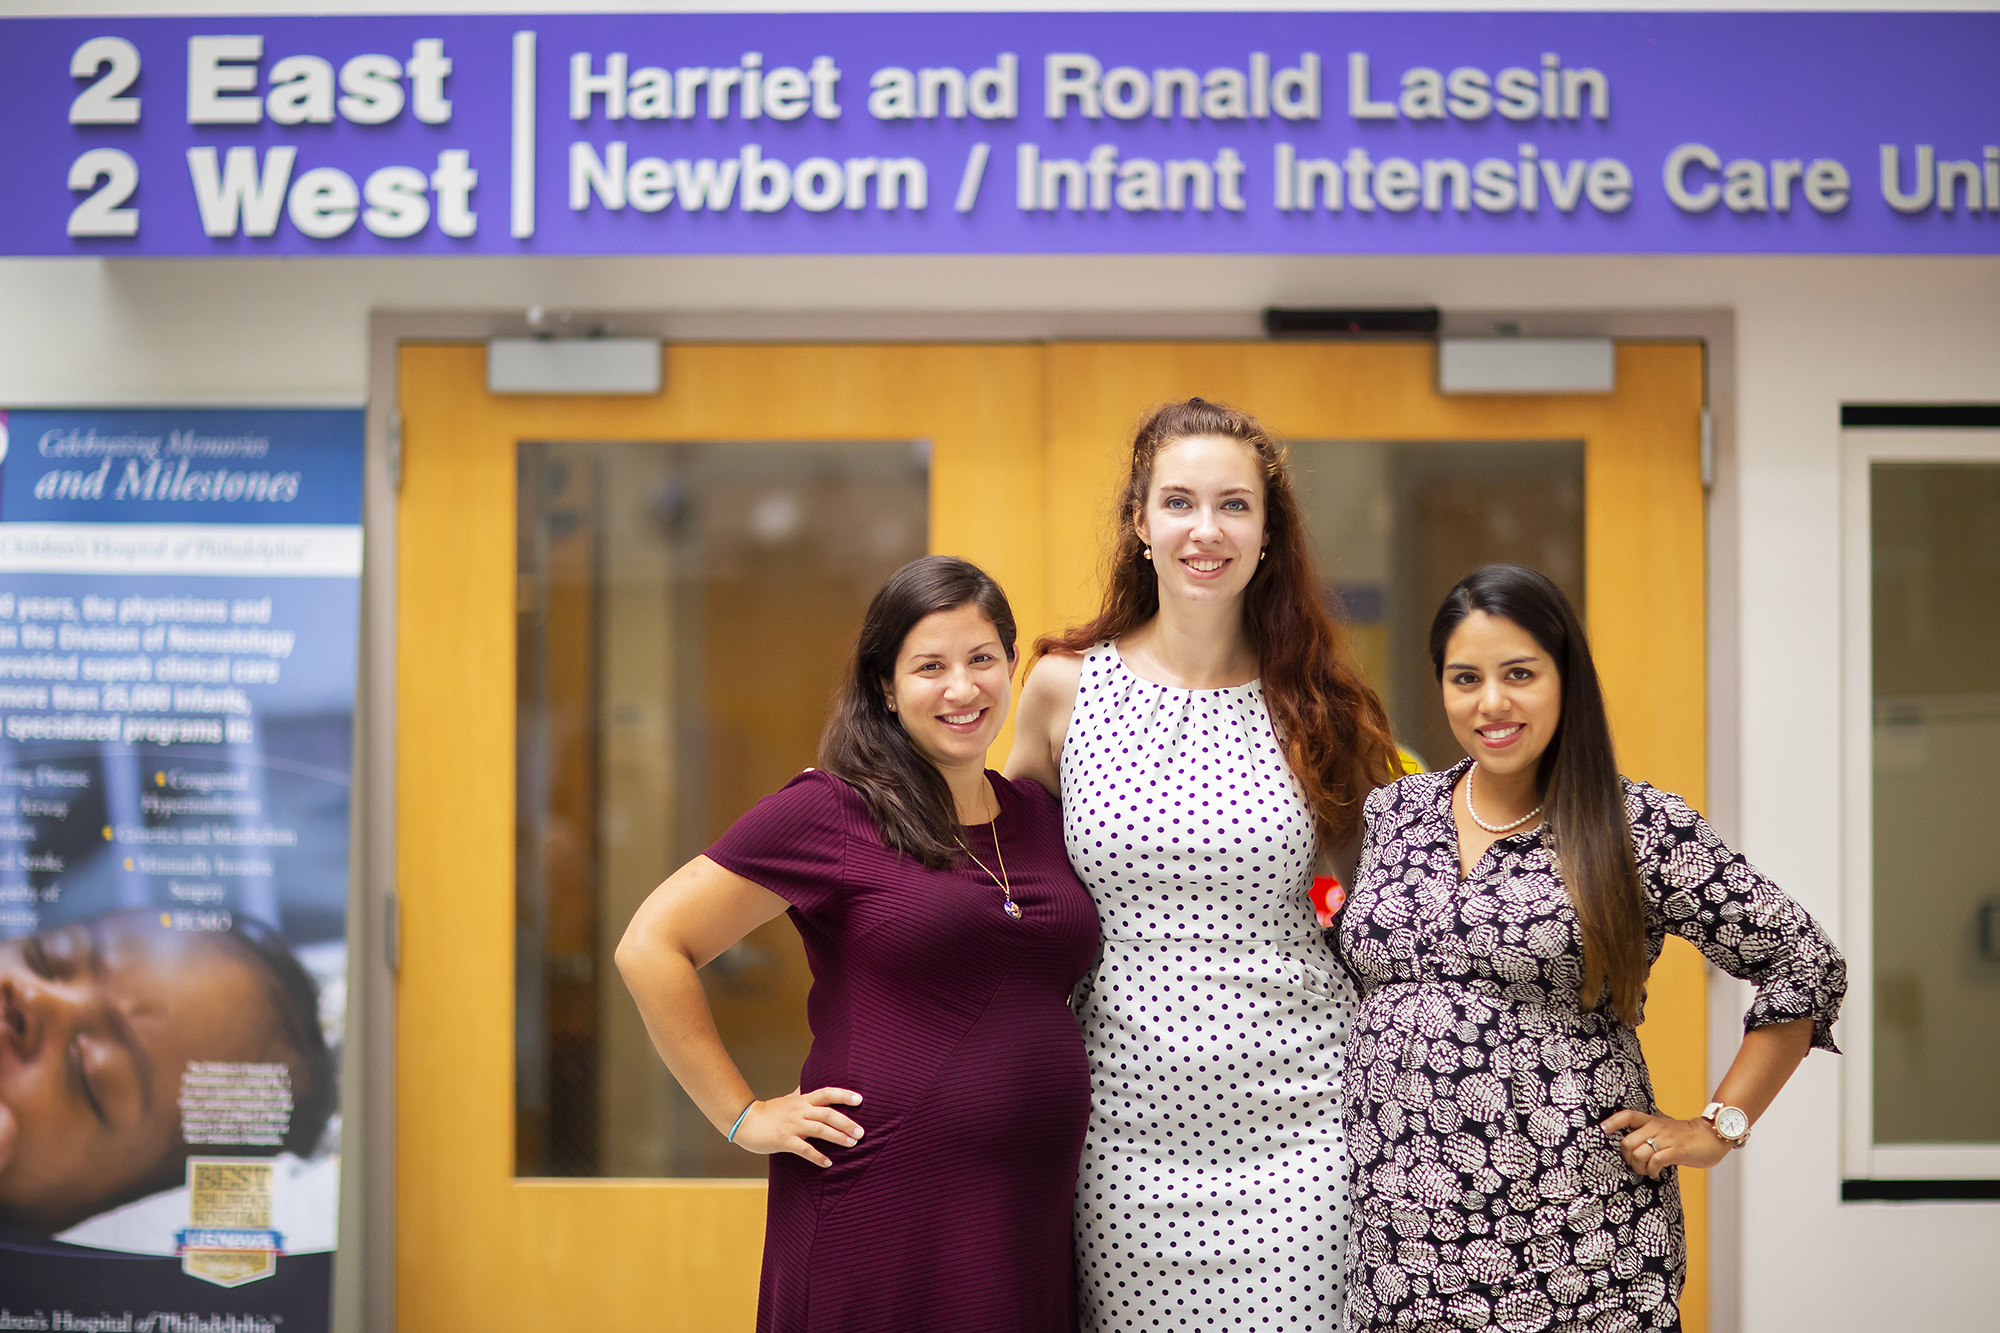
{"type": "Point", "coordinates": [97, 1022]}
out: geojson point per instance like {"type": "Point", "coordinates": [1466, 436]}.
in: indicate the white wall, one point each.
{"type": "Point", "coordinates": [1811, 334]}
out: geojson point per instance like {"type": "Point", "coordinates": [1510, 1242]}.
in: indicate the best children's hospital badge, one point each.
{"type": "Point", "coordinates": [229, 1240]}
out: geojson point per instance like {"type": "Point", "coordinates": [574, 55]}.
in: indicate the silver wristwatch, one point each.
{"type": "Point", "coordinates": [1730, 1123]}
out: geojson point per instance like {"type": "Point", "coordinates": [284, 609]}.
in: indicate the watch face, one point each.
{"type": "Point", "coordinates": [1731, 1123]}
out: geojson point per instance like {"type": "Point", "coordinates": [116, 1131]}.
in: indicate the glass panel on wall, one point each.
{"type": "Point", "coordinates": [1396, 524]}
{"type": "Point", "coordinates": [684, 614]}
{"type": "Point", "coordinates": [1935, 551]}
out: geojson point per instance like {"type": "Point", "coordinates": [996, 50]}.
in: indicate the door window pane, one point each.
{"type": "Point", "coordinates": [1396, 524]}
{"type": "Point", "coordinates": [1935, 555]}
{"type": "Point", "coordinates": [684, 615]}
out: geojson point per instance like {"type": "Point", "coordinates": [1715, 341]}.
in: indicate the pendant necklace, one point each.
{"type": "Point", "coordinates": [1491, 828]}
{"type": "Point", "coordinates": [1006, 887]}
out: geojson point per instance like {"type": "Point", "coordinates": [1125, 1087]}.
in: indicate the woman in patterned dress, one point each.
{"type": "Point", "coordinates": [1510, 1168]}
{"type": "Point", "coordinates": [1210, 737]}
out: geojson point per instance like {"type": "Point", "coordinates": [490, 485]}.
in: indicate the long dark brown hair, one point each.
{"type": "Point", "coordinates": [1335, 733]}
{"type": "Point", "coordinates": [866, 746]}
{"type": "Point", "coordinates": [1577, 777]}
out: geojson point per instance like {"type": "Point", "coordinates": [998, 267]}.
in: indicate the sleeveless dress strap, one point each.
{"type": "Point", "coordinates": [1084, 716]}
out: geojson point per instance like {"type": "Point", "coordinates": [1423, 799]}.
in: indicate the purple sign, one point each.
{"type": "Point", "coordinates": [1002, 133]}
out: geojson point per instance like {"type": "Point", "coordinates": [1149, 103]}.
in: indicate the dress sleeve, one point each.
{"type": "Point", "coordinates": [1378, 803]}
{"type": "Point", "coordinates": [1746, 925]}
{"type": "Point", "coordinates": [793, 842]}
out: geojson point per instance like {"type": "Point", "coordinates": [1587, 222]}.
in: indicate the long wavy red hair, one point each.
{"type": "Point", "coordinates": [1336, 734]}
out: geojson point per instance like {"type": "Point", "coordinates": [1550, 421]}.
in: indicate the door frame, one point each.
{"type": "Point", "coordinates": [1645, 524]}
{"type": "Point", "coordinates": [494, 1250]}
{"type": "Point", "coordinates": [1862, 1158]}
{"type": "Point", "coordinates": [365, 1295]}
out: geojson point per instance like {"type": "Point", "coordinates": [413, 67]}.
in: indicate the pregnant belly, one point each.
{"type": "Point", "coordinates": [1452, 1094]}
{"type": "Point", "coordinates": [1018, 1075]}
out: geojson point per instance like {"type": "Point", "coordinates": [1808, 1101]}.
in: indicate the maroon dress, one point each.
{"type": "Point", "coordinates": [951, 1019]}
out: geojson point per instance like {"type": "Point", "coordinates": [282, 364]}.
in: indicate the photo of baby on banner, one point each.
{"type": "Point", "coordinates": [179, 598]}
{"type": "Point", "coordinates": [225, 1055]}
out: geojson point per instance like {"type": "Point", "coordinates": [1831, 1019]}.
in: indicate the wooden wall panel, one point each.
{"type": "Point", "coordinates": [477, 1248]}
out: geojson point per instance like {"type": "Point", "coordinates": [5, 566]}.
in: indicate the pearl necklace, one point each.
{"type": "Point", "coordinates": [1491, 828]}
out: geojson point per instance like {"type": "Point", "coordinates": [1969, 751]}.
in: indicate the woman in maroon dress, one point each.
{"type": "Point", "coordinates": [926, 1179]}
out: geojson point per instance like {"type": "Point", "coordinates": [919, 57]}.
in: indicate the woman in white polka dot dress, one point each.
{"type": "Point", "coordinates": [1213, 1189]}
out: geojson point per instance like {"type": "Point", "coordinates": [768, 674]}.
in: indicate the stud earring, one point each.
{"type": "Point", "coordinates": [1149, 553]}
{"type": "Point", "coordinates": [1261, 554]}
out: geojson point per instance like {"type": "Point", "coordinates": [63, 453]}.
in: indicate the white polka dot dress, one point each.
{"type": "Point", "coordinates": [1213, 1187]}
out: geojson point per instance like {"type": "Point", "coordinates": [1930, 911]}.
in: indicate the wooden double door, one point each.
{"type": "Point", "coordinates": [617, 620]}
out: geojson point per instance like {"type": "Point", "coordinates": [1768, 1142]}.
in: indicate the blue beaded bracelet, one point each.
{"type": "Point", "coordinates": [731, 1136]}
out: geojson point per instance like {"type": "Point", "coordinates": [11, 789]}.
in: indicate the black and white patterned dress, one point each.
{"type": "Point", "coordinates": [1213, 1188]}
{"type": "Point", "coordinates": [1484, 1193]}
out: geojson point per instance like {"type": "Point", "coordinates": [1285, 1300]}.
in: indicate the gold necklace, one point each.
{"type": "Point", "coordinates": [1010, 907]}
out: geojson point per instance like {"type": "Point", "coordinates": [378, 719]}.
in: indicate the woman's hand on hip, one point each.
{"type": "Point", "coordinates": [1652, 1143]}
{"type": "Point", "coordinates": [790, 1124]}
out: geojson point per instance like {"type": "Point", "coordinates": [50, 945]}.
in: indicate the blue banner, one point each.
{"type": "Point", "coordinates": [182, 467]}
{"type": "Point", "coordinates": [1002, 133]}
{"type": "Point", "coordinates": [179, 628]}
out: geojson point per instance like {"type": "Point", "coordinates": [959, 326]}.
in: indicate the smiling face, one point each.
{"type": "Point", "coordinates": [1502, 695]}
{"type": "Point", "coordinates": [1204, 518]}
{"type": "Point", "coordinates": [97, 1023]}
{"type": "Point", "coordinates": [952, 686]}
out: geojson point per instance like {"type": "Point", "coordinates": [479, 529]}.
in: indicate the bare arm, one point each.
{"type": "Point", "coordinates": [698, 912]}
{"type": "Point", "coordinates": [1041, 720]}
{"type": "Point", "coordinates": [1763, 1064]}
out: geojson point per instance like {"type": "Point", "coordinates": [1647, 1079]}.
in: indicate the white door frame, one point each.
{"type": "Point", "coordinates": [1861, 1157]}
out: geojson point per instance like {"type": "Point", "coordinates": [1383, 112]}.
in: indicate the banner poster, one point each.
{"type": "Point", "coordinates": [179, 622]}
